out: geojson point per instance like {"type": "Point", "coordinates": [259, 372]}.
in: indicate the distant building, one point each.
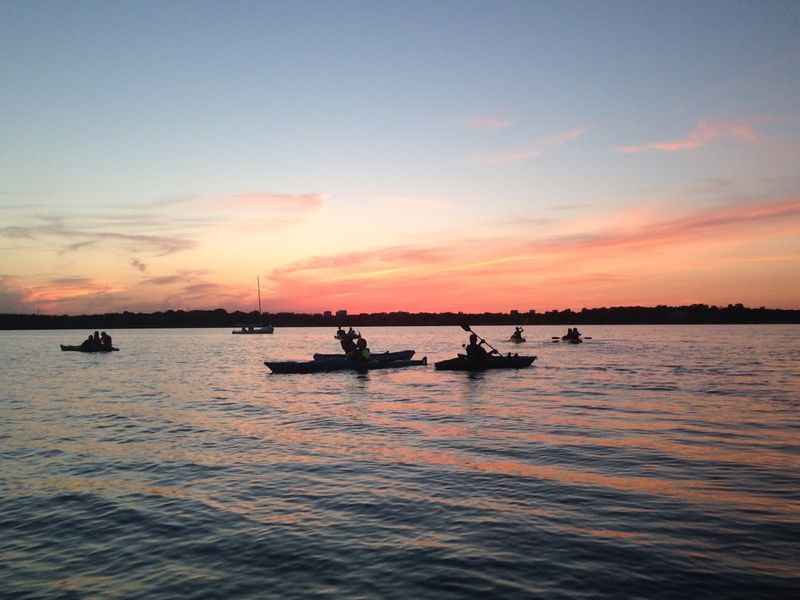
{"type": "Point", "coordinates": [514, 313]}
{"type": "Point", "coordinates": [341, 314]}
{"type": "Point", "coordinates": [327, 314]}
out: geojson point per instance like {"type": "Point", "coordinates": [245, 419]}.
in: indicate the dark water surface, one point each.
{"type": "Point", "coordinates": [651, 462]}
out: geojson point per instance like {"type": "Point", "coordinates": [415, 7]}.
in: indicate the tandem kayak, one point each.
{"type": "Point", "coordinates": [571, 340]}
{"type": "Point", "coordinates": [399, 355]}
{"type": "Point", "coordinates": [462, 363]}
{"type": "Point", "coordinates": [79, 349]}
{"type": "Point", "coordinates": [345, 364]}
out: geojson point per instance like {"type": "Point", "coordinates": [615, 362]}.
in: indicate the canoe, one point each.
{"type": "Point", "coordinates": [399, 355]}
{"type": "Point", "coordinates": [462, 363]}
{"type": "Point", "coordinates": [78, 349]}
{"type": "Point", "coordinates": [329, 366]}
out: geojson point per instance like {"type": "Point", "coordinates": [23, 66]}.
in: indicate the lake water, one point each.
{"type": "Point", "coordinates": [649, 462]}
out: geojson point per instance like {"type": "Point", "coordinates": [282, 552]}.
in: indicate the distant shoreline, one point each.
{"type": "Point", "coordinates": [695, 314]}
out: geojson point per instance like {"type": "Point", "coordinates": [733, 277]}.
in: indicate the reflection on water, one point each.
{"type": "Point", "coordinates": [660, 459]}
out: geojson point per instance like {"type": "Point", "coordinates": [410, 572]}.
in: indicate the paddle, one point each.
{"type": "Point", "coordinates": [466, 328]}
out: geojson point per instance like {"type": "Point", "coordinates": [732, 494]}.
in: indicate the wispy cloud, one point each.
{"type": "Point", "coordinates": [705, 225]}
{"type": "Point", "coordinates": [158, 244]}
{"type": "Point", "coordinates": [533, 150]}
{"type": "Point", "coordinates": [703, 134]}
{"type": "Point", "coordinates": [163, 280]}
{"type": "Point", "coordinates": [184, 276]}
{"type": "Point", "coordinates": [274, 201]}
{"type": "Point", "coordinates": [489, 123]}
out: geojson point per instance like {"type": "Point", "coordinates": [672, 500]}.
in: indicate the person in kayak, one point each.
{"type": "Point", "coordinates": [105, 341]}
{"type": "Point", "coordinates": [348, 341]}
{"type": "Point", "coordinates": [88, 345]}
{"type": "Point", "coordinates": [517, 335]}
{"type": "Point", "coordinates": [475, 349]}
{"type": "Point", "coordinates": [573, 334]}
{"type": "Point", "coordinates": [361, 352]}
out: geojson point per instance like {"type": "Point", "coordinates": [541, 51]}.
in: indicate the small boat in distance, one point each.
{"type": "Point", "coordinates": [66, 348]}
{"type": "Point", "coordinates": [255, 329]}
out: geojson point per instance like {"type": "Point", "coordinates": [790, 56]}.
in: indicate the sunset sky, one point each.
{"type": "Point", "coordinates": [398, 156]}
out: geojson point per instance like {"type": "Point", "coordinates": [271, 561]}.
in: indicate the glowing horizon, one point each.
{"type": "Point", "coordinates": [554, 165]}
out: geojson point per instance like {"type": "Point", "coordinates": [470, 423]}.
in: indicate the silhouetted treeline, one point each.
{"type": "Point", "coordinates": [617, 315]}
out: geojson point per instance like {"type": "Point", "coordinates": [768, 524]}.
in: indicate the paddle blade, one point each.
{"type": "Point", "coordinates": [465, 327]}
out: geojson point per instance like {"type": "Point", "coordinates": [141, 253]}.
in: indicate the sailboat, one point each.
{"type": "Point", "coordinates": [250, 329]}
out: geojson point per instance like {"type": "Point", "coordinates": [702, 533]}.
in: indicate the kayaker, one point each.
{"type": "Point", "coordinates": [348, 341]}
{"type": "Point", "coordinates": [360, 352]}
{"type": "Point", "coordinates": [518, 331]}
{"type": "Point", "coordinates": [105, 341]}
{"type": "Point", "coordinates": [88, 345]}
{"type": "Point", "coordinates": [475, 348]}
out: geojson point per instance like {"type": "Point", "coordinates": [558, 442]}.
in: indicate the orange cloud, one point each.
{"type": "Point", "coordinates": [703, 134]}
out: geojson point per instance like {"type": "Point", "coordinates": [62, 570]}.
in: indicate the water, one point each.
{"type": "Point", "coordinates": [651, 462]}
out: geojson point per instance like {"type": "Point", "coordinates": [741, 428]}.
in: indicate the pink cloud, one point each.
{"type": "Point", "coordinates": [703, 134]}
{"type": "Point", "coordinates": [712, 224]}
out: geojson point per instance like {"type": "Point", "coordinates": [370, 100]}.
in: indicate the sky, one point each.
{"type": "Point", "coordinates": [475, 156]}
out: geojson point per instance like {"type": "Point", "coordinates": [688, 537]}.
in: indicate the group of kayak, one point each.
{"type": "Point", "coordinates": [357, 356]}
{"type": "Point", "coordinates": [97, 342]}
{"type": "Point", "coordinates": [573, 336]}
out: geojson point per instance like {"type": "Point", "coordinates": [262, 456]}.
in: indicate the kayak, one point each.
{"type": "Point", "coordinates": [516, 340]}
{"type": "Point", "coordinates": [462, 363]}
{"type": "Point", "coordinates": [399, 355]}
{"type": "Point", "coordinates": [345, 364]}
{"type": "Point", "coordinates": [78, 349]}
{"type": "Point", "coordinates": [572, 340]}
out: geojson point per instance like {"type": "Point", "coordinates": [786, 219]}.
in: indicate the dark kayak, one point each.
{"type": "Point", "coordinates": [462, 363]}
{"type": "Point", "coordinates": [516, 340]}
{"type": "Point", "coordinates": [399, 355]}
{"type": "Point", "coordinates": [572, 340]}
{"type": "Point", "coordinates": [345, 364]}
{"type": "Point", "coordinates": [79, 349]}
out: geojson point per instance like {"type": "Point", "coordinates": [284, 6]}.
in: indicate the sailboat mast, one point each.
{"type": "Point", "coordinates": [258, 282]}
